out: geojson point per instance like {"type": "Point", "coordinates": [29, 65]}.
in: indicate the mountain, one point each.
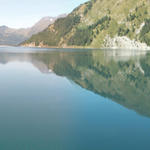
{"type": "Point", "coordinates": [10, 36]}
{"type": "Point", "coordinates": [100, 23]}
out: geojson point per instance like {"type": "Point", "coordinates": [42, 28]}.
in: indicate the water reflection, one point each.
{"type": "Point", "coordinates": [122, 76]}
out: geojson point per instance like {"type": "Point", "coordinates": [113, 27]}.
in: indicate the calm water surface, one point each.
{"type": "Point", "coordinates": [74, 100]}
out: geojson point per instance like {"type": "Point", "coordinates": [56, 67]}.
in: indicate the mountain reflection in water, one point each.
{"type": "Point", "coordinates": [122, 76]}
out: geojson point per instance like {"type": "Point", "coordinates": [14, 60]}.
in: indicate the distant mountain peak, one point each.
{"type": "Point", "coordinates": [3, 27]}
{"type": "Point", "coordinates": [10, 36]}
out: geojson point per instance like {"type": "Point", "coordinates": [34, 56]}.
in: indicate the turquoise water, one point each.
{"type": "Point", "coordinates": [78, 100]}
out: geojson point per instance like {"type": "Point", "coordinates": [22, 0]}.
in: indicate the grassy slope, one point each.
{"type": "Point", "coordinates": [88, 25]}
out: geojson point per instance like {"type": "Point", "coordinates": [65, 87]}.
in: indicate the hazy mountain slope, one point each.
{"type": "Point", "coordinates": [9, 36]}
{"type": "Point", "coordinates": [100, 23]}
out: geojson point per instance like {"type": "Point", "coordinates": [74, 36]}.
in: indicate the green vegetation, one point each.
{"type": "Point", "coordinates": [145, 33]}
{"type": "Point", "coordinates": [84, 36]}
{"type": "Point", "coordinates": [53, 35]}
{"type": "Point", "coordinates": [89, 6]}
{"type": "Point", "coordinates": [90, 23]}
{"type": "Point", "coordinates": [61, 70]}
{"type": "Point", "coordinates": [81, 37]}
{"type": "Point", "coordinates": [123, 30]}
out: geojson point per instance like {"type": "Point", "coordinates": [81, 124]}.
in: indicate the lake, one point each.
{"type": "Point", "coordinates": [66, 99]}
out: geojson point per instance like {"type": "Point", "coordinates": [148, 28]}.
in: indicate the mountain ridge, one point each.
{"type": "Point", "coordinates": [12, 36]}
{"type": "Point", "coordinates": [93, 23]}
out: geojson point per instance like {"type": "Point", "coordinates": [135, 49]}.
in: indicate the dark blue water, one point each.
{"type": "Point", "coordinates": [55, 101]}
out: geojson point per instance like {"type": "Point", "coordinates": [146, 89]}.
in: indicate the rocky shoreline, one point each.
{"type": "Point", "coordinates": [124, 43]}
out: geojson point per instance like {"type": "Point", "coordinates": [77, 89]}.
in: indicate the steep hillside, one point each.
{"type": "Point", "coordinates": [10, 36]}
{"type": "Point", "coordinates": [100, 23]}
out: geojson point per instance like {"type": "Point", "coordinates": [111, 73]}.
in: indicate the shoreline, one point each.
{"type": "Point", "coordinates": [79, 47]}
{"type": "Point", "coordinates": [89, 48]}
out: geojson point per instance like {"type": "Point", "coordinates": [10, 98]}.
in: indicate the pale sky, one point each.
{"type": "Point", "coordinates": [18, 13]}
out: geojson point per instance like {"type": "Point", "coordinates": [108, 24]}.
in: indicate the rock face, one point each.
{"type": "Point", "coordinates": [10, 36]}
{"type": "Point", "coordinates": [100, 23]}
{"type": "Point", "coordinates": [124, 43]}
